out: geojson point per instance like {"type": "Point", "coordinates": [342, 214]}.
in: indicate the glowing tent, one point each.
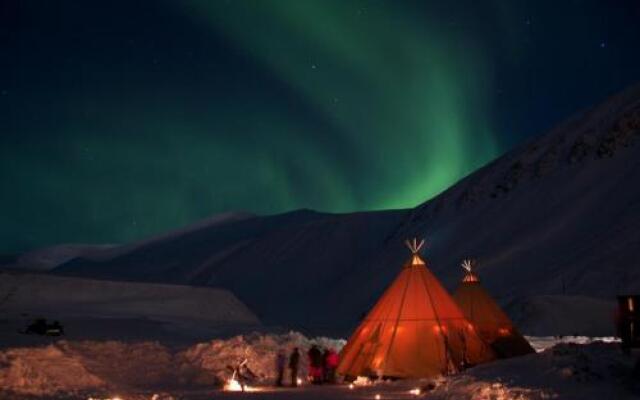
{"type": "Point", "coordinates": [415, 330]}
{"type": "Point", "coordinates": [492, 324]}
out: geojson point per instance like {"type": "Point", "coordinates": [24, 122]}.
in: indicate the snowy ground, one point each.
{"type": "Point", "coordinates": [126, 311]}
{"type": "Point", "coordinates": [111, 369]}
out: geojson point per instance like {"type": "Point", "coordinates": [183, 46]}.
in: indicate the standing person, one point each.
{"type": "Point", "coordinates": [281, 360]}
{"type": "Point", "coordinates": [243, 374]}
{"type": "Point", "coordinates": [294, 363]}
{"type": "Point", "coordinates": [315, 364]}
{"type": "Point", "coordinates": [331, 361]}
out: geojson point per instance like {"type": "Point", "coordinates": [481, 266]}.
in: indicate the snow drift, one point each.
{"type": "Point", "coordinates": [114, 366]}
{"type": "Point", "coordinates": [82, 369]}
{"type": "Point", "coordinates": [565, 371]}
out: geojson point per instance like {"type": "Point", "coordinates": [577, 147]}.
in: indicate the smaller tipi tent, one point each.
{"type": "Point", "coordinates": [491, 322]}
{"type": "Point", "coordinates": [415, 330]}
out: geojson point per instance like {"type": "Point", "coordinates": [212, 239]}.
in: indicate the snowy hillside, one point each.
{"type": "Point", "coordinates": [557, 216]}
{"type": "Point", "coordinates": [107, 310]}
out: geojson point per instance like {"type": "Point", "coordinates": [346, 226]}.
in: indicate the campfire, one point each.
{"type": "Point", "coordinates": [233, 385]}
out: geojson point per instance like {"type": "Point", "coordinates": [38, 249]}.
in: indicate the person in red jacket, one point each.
{"type": "Point", "coordinates": [331, 360]}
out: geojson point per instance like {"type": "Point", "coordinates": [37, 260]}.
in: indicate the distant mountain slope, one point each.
{"type": "Point", "coordinates": [46, 258]}
{"type": "Point", "coordinates": [559, 215]}
{"type": "Point", "coordinates": [284, 267]}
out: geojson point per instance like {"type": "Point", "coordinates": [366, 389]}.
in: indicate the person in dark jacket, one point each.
{"type": "Point", "coordinates": [281, 361]}
{"type": "Point", "coordinates": [294, 363]}
{"type": "Point", "coordinates": [315, 364]}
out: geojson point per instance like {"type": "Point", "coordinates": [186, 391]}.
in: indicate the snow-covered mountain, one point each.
{"type": "Point", "coordinates": [46, 258]}
{"type": "Point", "coordinates": [556, 216]}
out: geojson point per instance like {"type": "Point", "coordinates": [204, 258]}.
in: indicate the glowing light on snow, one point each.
{"type": "Point", "coordinates": [351, 386]}
{"type": "Point", "coordinates": [415, 392]}
{"type": "Point", "coordinates": [233, 385]}
{"type": "Point", "coordinates": [378, 397]}
{"type": "Point", "coordinates": [299, 380]}
{"type": "Point", "coordinates": [362, 381]}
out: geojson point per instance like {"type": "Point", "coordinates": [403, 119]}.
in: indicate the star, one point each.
{"type": "Point", "coordinates": [603, 45]}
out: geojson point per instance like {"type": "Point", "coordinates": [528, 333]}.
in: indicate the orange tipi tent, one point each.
{"type": "Point", "coordinates": [492, 324]}
{"type": "Point", "coordinates": [415, 330]}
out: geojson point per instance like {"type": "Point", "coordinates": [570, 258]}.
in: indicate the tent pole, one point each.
{"type": "Point", "coordinates": [435, 314]}
{"type": "Point", "coordinates": [395, 327]}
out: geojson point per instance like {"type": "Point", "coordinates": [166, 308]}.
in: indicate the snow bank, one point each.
{"type": "Point", "coordinates": [565, 371]}
{"type": "Point", "coordinates": [71, 367]}
{"type": "Point", "coordinates": [45, 370]}
{"type": "Point", "coordinates": [85, 369]}
{"type": "Point", "coordinates": [145, 365]}
{"type": "Point", "coordinates": [541, 343]}
{"type": "Point", "coordinates": [260, 350]}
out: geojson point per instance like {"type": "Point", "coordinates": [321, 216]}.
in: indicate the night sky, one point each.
{"type": "Point", "coordinates": [124, 119]}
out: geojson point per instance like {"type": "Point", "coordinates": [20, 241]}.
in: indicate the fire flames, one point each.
{"type": "Point", "coordinates": [232, 385]}
{"type": "Point", "coordinates": [103, 398]}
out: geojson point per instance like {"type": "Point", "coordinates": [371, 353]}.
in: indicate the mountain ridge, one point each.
{"type": "Point", "coordinates": [554, 216]}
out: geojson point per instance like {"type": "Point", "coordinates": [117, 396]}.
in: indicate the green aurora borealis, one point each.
{"type": "Point", "coordinates": [408, 102]}
{"type": "Point", "coordinates": [129, 120]}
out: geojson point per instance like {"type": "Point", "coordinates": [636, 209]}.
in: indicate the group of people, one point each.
{"type": "Point", "coordinates": [322, 365]}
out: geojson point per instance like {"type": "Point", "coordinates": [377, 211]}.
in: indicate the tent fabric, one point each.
{"type": "Point", "coordinates": [415, 330]}
{"type": "Point", "coordinates": [490, 321]}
